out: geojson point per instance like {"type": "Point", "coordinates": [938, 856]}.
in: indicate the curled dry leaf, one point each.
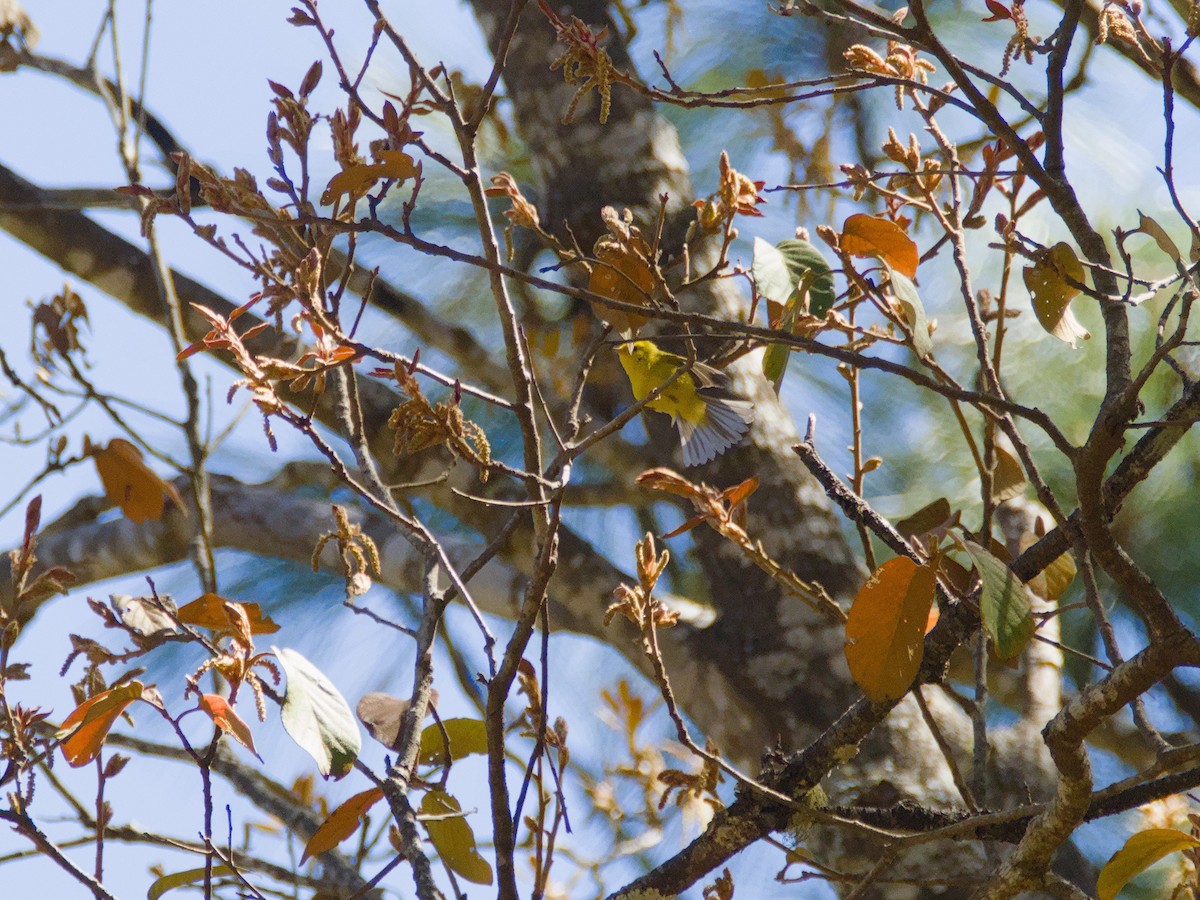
{"type": "Point", "coordinates": [1049, 282]}
{"type": "Point", "coordinates": [355, 181]}
{"type": "Point", "coordinates": [382, 715]}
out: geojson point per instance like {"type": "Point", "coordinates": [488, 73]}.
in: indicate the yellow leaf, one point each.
{"type": "Point", "coordinates": [864, 235]}
{"type": "Point", "coordinates": [453, 838]}
{"type": "Point", "coordinates": [84, 730]}
{"type": "Point", "coordinates": [1141, 851]}
{"type": "Point", "coordinates": [342, 823]}
{"type": "Point", "coordinates": [1147, 225]}
{"type": "Point", "coordinates": [208, 611]}
{"type": "Point", "coordinates": [130, 484]}
{"type": "Point", "coordinates": [926, 519]}
{"type": "Point", "coordinates": [179, 879]}
{"type": "Point", "coordinates": [1008, 478]}
{"type": "Point", "coordinates": [224, 717]}
{"type": "Point", "coordinates": [1049, 283]}
{"type": "Point", "coordinates": [1053, 581]}
{"type": "Point", "coordinates": [467, 736]}
{"type": "Point", "coordinates": [885, 628]}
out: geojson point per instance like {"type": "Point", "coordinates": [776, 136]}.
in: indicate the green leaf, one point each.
{"type": "Point", "coordinates": [1004, 604]}
{"type": "Point", "coordinates": [800, 257]}
{"type": "Point", "coordinates": [1141, 851]}
{"type": "Point", "coordinates": [775, 359]}
{"type": "Point", "coordinates": [452, 837]}
{"type": "Point", "coordinates": [771, 276]}
{"type": "Point", "coordinates": [467, 736]}
{"type": "Point", "coordinates": [913, 311]}
{"type": "Point", "coordinates": [316, 716]}
{"type": "Point", "coordinates": [179, 879]}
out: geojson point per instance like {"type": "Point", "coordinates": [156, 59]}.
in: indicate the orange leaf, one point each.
{"type": "Point", "coordinates": [394, 165]}
{"type": "Point", "coordinates": [224, 717]}
{"type": "Point", "coordinates": [208, 611]}
{"type": "Point", "coordinates": [132, 485]}
{"type": "Point", "coordinates": [342, 353]}
{"type": "Point", "coordinates": [686, 526]}
{"type": "Point", "coordinates": [664, 479]}
{"type": "Point", "coordinates": [342, 823]}
{"type": "Point", "coordinates": [864, 235]}
{"type": "Point", "coordinates": [885, 628]}
{"type": "Point", "coordinates": [740, 493]}
{"type": "Point", "coordinates": [623, 275]}
{"type": "Point", "coordinates": [84, 730]}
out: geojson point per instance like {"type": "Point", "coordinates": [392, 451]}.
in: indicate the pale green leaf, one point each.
{"type": "Point", "coordinates": [771, 276]}
{"type": "Point", "coordinates": [913, 310]}
{"type": "Point", "coordinates": [317, 717]}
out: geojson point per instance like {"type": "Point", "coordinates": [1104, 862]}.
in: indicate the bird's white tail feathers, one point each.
{"type": "Point", "coordinates": [725, 423]}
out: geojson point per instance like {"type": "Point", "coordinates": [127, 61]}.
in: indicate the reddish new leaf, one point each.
{"type": "Point", "coordinates": [740, 493]}
{"type": "Point", "coordinates": [999, 12]}
{"type": "Point", "coordinates": [225, 718]}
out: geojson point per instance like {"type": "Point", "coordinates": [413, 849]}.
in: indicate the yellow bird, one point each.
{"type": "Point", "coordinates": [708, 422]}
